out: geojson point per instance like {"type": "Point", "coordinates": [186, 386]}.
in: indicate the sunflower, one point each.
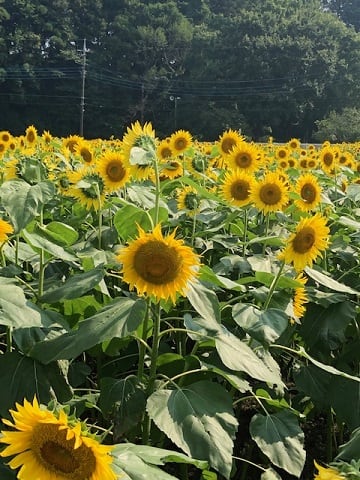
{"type": "Point", "coordinates": [5, 230]}
{"type": "Point", "coordinates": [309, 191]}
{"type": "Point", "coordinates": [5, 136]}
{"type": "Point", "coordinates": [270, 194]}
{"type": "Point", "coordinates": [188, 200]}
{"type": "Point", "coordinates": [158, 266]}
{"type": "Point", "coordinates": [171, 169]}
{"type": "Point", "coordinates": [180, 141]}
{"type": "Point", "coordinates": [31, 135]}
{"type": "Point", "coordinates": [51, 446]}
{"type": "Point", "coordinates": [138, 136]}
{"type": "Point", "coordinates": [88, 186]}
{"type": "Point", "coordinates": [236, 187]}
{"type": "Point", "coordinates": [163, 150]}
{"type": "Point", "coordinates": [84, 150]}
{"type": "Point", "coordinates": [308, 241]}
{"type": "Point", "coordinates": [3, 147]}
{"type": "Point", "coordinates": [327, 473]}
{"type": "Point", "coordinates": [328, 158]}
{"type": "Point", "coordinates": [228, 140]}
{"type": "Point", "coordinates": [294, 144]}
{"type": "Point", "coordinates": [245, 157]}
{"type": "Point", "coordinates": [282, 152]}
{"type": "Point", "coordinates": [70, 142]}
{"type": "Point", "coordinates": [198, 165]}
{"type": "Point", "coordinates": [300, 297]}
{"type": "Point", "coordinates": [113, 171]}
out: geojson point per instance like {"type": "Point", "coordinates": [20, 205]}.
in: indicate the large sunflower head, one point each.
{"type": "Point", "coordinates": [180, 141]}
{"type": "Point", "coordinates": [327, 473]}
{"type": "Point", "coordinates": [270, 194]}
{"type": "Point", "coordinates": [328, 158]}
{"type": "Point", "coordinates": [158, 266]}
{"type": "Point", "coordinates": [309, 191]}
{"type": "Point", "coordinates": [244, 156]}
{"type": "Point", "coordinates": [88, 186]}
{"type": "Point", "coordinates": [228, 140]}
{"type": "Point", "coordinates": [5, 230]}
{"type": "Point", "coordinates": [163, 150]}
{"type": "Point", "coordinates": [112, 169]}
{"type": "Point", "coordinates": [309, 240]}
{"type": "Point", "coordinates": [188, 199]}
{"type": "Point", "coordinates": [171, 169]}
{"type": "Point", "coordinates": [70, 143]}
{"type": "Point", "coordinates": [236, 187]}
{"type": "Point", "coordinates": [138, 136]}
{"type": "Point", "coordinates": [84, 151]}
{"type": "Point", "coordinates": [49, 445]}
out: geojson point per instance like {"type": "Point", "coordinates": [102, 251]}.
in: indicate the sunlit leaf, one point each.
{"type": "Point", "coordinates": [281, 439]}
{"type": "Point", "coordinates": [198, 419]}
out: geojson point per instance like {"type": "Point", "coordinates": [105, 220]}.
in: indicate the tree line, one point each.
{"type": "Point", "coordinates": [265, 67]}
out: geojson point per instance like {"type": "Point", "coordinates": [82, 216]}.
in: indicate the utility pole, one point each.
{"type": "Point", "coordinates": [82, 97]}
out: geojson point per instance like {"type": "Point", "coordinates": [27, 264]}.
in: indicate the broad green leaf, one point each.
{"type": "Point", "coordinates": [17, 312]}
{"type": "Point", "coordinates": [23, 377]}
{"type": "Point", "coordinates": [349, 222]}
{"type": "Point", "coordinates": [207, 475]}
{"type": "Point", "coordinates": [208, 276]}
{"type": "Point", "coordinates": [133, 467]}
{"type": "Point", "coordinates": [39, 241]}
{"type": "Point", "coordinates": [118, 319]}
{"type": "Point", "coordinates": [281, 439]}
{"type": "Point", "coordinates": [313, 382]}
{"type": "Point", "coordinates": [329, 282]}
{"type": "Point", "coordinates": [267, 278]}
{"type": "Point", "coordinates": [237, 355]}
{"type": "Point", "coordinates": [270, 474]}
{"type": "Point", "coordinates": [140, 156]}
{"type": "Point", "coordinates": [198, 419]}
{"type": "Point", "coordinates": [159, 456]}
{"type": "Point", "coordinates": [341, 392]}
{"type": "Point", "coordinates": [124, 400]}
{"type": "Point", "coordinates": [264, 326]}
{"type": "Point", "coordinates": [127, 219]}
{"type": "Point", "coordinates": [350, 450]}
{"type": "Point", "coordinates": [23, 202]}
{"type": "Point", "coordinates": [234, 353]}
{"type": "Point", "coordinates": [60, 233]}
{"type": "Point", "coordinates": [204, 301]}
{"type": "Point", "coordinates": [324, 328]}
{"type": "Point", "coordinates": [74, 287]}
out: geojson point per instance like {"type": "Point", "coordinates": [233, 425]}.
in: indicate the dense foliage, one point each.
{"type": "Point", "coordinates": [265, 67]}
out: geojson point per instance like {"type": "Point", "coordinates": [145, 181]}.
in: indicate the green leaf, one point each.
{"type": "Point", "coordinates": [127, 219]}
{"type": "Point", "coordinates": [237, 355]}
{"type": "Point", "coordinates": [324, 328]}
{"type": "Point", "coordinates": [23, 202]}
{"type": "Point", "coordinates": [130, 466]}
{"type": "Point", "coordinates": [270, 474]}
{"type": "Point", "coordinates": [118, 319]}
{"type": "Point", "coordinates": [341, 391]}
{"type": "Point", "coordinates": [204, 301]}
{"type": "Point", "coordinates": [198, 419]}
{"type": "Point", "coordinates": [123, 399]}
{"type": "Point", "coordinates": [22, 377]}
{"type": "Point", "coordinates": [313, 382]}
{"type": "Point", "coordinates": [234, 353]}
{"type": "Point", "coordinates": [329, 282]}
{"type": "Point", "coordinates": [60, 233]}
{"type": "Point", "coordinates": [39, 241]}
{"type": "Point", "coordinates": [281, 439]}
{"type": "Point", "coordinates": [264, 326]}
{"type": "Point", "coordinates": [350, 450]}
{"type": "Point", "coordinates": [267, 278]}
{"type": "Point", "coordinates": [17, 312]}
{"type": "Point", "coordinates": [159, 456]}
{"type": "Point", "coordinates": [74, 287]}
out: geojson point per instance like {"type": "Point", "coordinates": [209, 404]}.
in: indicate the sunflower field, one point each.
{"type": "Point", "coordinates": [177, 309]}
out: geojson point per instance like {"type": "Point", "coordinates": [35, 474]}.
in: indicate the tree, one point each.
{"type": "Point", "coordinates": [339, 127]}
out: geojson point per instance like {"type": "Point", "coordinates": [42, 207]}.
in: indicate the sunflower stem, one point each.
{"type": "Point", "coordinates": [246, 219]}
{"type": "Point", "coordinates": [157, 191]}
{"type": "Point", "coordinates": [273, 286]}
{"type": "Point", "coordinates": [8, 339]}
{"type": "Point", "coordinates": [42, 262]}
{"type": "Point", "coordinates": [142, 347]}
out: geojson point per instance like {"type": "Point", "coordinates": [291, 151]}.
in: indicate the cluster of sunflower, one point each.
{"type": "Point", "coordinates": [188, 178]}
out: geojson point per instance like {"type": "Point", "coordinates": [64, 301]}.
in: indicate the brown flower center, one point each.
{"type": "Point", "coordinates": [243, 160]}
{"type": "Point", "coordinates": [30, 137]}
{"type": "Point", "coordinates": [228, 144]}
{"type": "Point", "coordinates": [328, 159]}
{"type": "Point", "coordinates": [240, 190]}
{"type": "Point", "coordinates": [304, 240]}
{"type": "Point", "coordinates": [157, 263]}
{"type": "Point", "coordinates": [58, 456]}
{"type": "Point", "coordinates": [115, 171]}
{"type": "Point", "coordinates": [308, 193]}
{"type": "Point", "coordinates": [86, 155]}
{"type": "Point", "coordinates": [270, 194]}
{"type": "Point", "coordinates": [180, 144]}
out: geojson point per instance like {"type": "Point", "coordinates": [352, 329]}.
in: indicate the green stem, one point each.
{"type": "Point", "coordinates": [42, 262]}
{"type": "Point", "coordinates": [273, 286]}
{"type": "Point", "coordinates": [8, 339]}
{"type": "Point", "coordinates": [142, 346]}
{"type": "Point", "coordinates": [157, 190]}
{"type": "Point", "coordinates": [2, 256]}
{"type": "Point", "coordinates": [267, 225]}
{"type": "Point", "coordinates": [193, 230]}
{"type": "Point", "coordinates": [246, 220]}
